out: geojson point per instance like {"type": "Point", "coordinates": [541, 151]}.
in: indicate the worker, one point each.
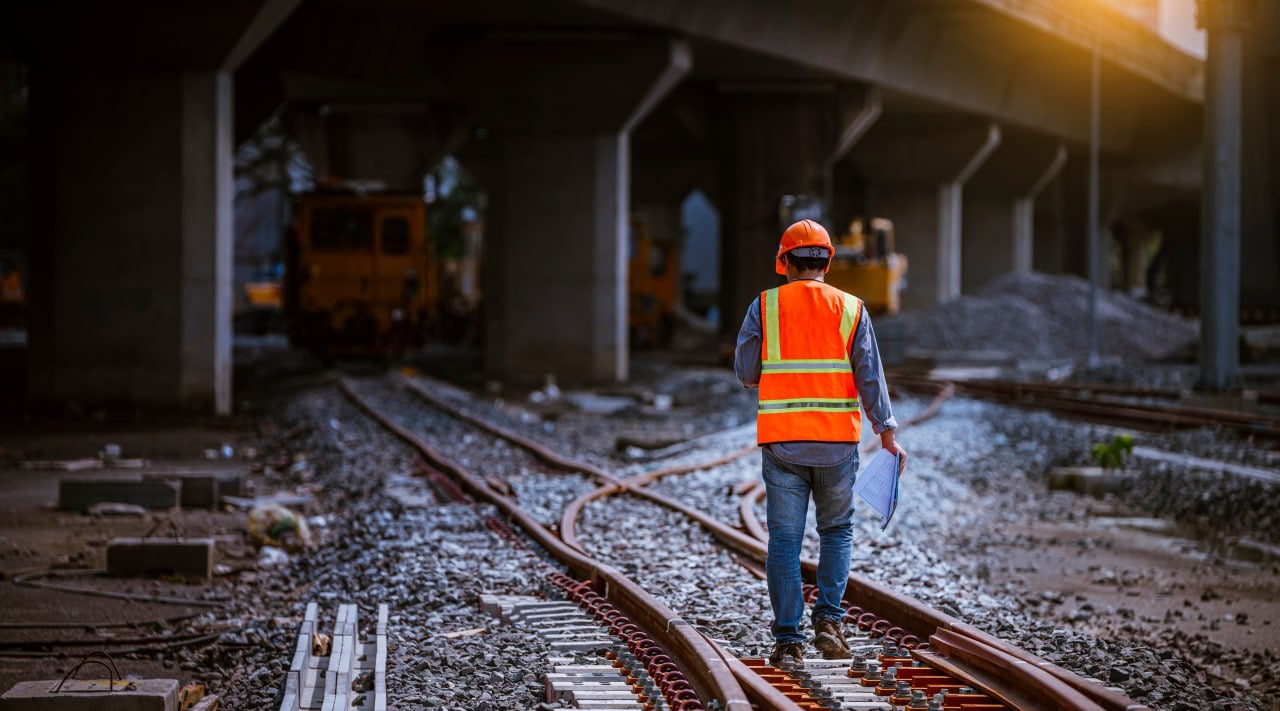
{"type": "Point", "coordinates": [820, 360]}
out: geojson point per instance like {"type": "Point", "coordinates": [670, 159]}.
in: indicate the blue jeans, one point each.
{"type": "Point", "coordinates": [788, 488]}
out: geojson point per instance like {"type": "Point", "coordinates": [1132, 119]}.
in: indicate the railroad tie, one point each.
{"type": "Point", "coordinates": [575, 637]}
{"type": "Point", "coordinates": [340, 671]}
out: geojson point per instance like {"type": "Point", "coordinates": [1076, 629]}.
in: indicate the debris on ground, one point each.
{"type": "Point", "coordinates": [113, 508]}
{"type": "Point", "coordinates": [272, 557]}
{"type": "Point", "coordinates": [275, 525]}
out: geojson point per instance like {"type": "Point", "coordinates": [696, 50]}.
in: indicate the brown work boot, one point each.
{"type": "Point", "coordinates": [795, 650]}
{"type": "Point", "coordinates": [829, 639]}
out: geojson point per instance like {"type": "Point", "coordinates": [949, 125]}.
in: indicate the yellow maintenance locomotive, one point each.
{"type": "Point", "coordinates": [360, 279]}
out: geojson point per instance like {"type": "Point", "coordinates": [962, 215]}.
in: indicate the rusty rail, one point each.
{"type": "Point", "coordinates": [873, 605]}
{"type": "Point", "coordinates": [1080, 401]}
{"type": "Point", "coordinates": [697, 657]}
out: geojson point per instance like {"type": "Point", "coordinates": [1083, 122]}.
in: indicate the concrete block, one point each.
{"type": "Point", "coordinates": [194, 491]}
{"type": "Point", "coordinates": [192, 557]}
{"type": "Point", "coordinates": [202, 490]}
{"type": "Point", "coordinates": [148, 695]}
{"type": "Point", "coordinates": [1090, 481]}
{"type": "Point", "coordinates": [80, 494]}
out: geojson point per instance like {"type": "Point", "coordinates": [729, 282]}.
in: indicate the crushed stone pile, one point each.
{"type": "Point", "coordinates": [1037, 315]}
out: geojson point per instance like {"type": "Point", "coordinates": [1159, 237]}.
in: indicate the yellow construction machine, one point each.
{"type": "Point", "coordinates": [361, 276]}
{"type": "Point", "coordinates": [652, 273]}
{"type": "Point", "coordinates": [867, 266]}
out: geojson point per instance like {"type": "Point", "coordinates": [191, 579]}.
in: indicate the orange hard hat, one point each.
{"type": "Point", "coordinates": [807, 234]}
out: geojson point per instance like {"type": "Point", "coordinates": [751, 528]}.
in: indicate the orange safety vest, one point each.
{"type": "Point", "coordinates": [807, 392]}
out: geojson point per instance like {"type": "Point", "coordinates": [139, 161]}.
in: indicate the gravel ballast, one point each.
{"type": "Point", "coordinates": [976, 482]}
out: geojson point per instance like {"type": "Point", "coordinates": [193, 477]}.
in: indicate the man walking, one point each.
{"type": "Point", "coordinates": [810, 350]}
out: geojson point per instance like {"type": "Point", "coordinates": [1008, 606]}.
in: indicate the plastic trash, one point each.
{"type": "Point", "coordinates": [272, 557]}
{"type": "Point", "coordinates": [275, 525]}
{"type": "Point", "coordinates": [112, 508]}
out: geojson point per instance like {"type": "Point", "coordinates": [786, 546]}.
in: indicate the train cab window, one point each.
{"type": "Point", "coordinates": [395, 235]}
{"type": "Point", "coordinates": [341, 229]}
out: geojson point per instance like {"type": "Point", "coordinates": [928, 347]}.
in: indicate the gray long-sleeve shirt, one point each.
{"type": "Point", "coordinates": [868, 376]}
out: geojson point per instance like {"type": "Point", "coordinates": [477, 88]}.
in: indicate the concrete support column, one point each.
{"type": "Point", "coordinates": [777, 144]}
{"type": "Point", "coordinates": [208, 191]}
{"type": "Point", "coordinates": [133, 197]}
{"type": "Point", "coordinates": [1024, 233]}
{"type": "Point", "coordinates": [394, 145]}
{"type": "Point", "coordinates": [562, 249]}
{"type": "Point", "coordinates": [1225, 21]}
{"type": "Point", "coordinates": [917, 170]}
{"type": "Point", "coordinates": [1260, 169]}
{"type": "Point", "coordinates": [951, 219]}
{"type": "Point", "coordinates": [1024, 213]}
{"type": "Point", "coordinates": [559, 111]}
{"type": "Point", "coordinates": [1000, 208]}
{"type": "Point", "coordinates": [1135, 239]}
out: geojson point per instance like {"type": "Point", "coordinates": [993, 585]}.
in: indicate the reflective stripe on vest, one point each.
{"type": "Point", "coordinates": [825, 404]}
{"type": "Point", "coordinates": [809, 398]}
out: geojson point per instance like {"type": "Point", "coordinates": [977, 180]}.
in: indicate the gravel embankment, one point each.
{"type": "Point", "coordinates": [1039, 315]}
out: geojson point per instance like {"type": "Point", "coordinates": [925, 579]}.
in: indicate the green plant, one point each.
{"type": "Point", "coordinates": [1112, 455]}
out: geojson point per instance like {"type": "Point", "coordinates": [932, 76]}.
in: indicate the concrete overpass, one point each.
{"type": "Point", "coordinates": [964, 120]}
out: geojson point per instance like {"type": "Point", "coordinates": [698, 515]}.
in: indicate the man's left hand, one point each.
{"type": "Point", "coordinates": [891, 446]}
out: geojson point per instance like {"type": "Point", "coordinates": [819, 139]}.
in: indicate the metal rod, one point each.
{"type": "Point", "coordinates": [1095, 249]}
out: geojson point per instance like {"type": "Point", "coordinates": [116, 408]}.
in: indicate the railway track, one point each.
{"type": "Point", "coordinates": [923, 652]}
{"type": "Point", "coordinates": [1139, 408]}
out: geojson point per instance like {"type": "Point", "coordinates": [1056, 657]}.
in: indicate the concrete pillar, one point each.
{"type": "Point", "coordinates": [776, 144]}
{"type": "Point", "coordinates": [1135, 240]}
{"type": "Point", "coordinates": [951, 218]}
{"type": "Point", "coordinates": [1024, 215]}
{"type": "Point", "coordinates": [132, 195]}
{"type": "Point", "coordinates": [1000, 208]}
{"type": "Point", "coordinates": [391, 145]}
{"type": "Point", "coordinates": [562, 245]}
{"type": "Point", "coordinates": [1260, 143]}
{"type": "Point", "coordinates": [918, 168]}
{"type": "Point", "coordinates": [1225, 21]}
{"type": "Point", "coordinates": [558, 115]}
{"type": "Point", "coordinates": [208, 192]}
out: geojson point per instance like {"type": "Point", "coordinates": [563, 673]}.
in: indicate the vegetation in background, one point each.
{"type": "Point", "coordinates": [455, 200]}
{"type": "Point", "coordinates": [270, 160]}
{"type": "Point", "coordinates": [1113, 454]}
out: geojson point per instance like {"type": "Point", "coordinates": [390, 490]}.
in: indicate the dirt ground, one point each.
{"type": "Point", "coordinates": [36, 536]}
{"type": "Point", "coordinates": [1113, 573]}
{"type": "Point", "coordinates": [1105, 565]}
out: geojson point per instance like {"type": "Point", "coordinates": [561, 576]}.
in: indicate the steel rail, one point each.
{"type": "Point", "coordinates": [926, 617]}
{"type": "Point", "coordinates": [533, 447]}
{"type": "Point", "coordinates": [1264, 396]}
{"type": "Point", "coordinates": [912, 616]}
{"type": "Point", "coordinates": [704, 667]}
{"type": "Point", "coordinates": [1026, 685]}
{"type": "Point", "coordinates": [1066, 399]}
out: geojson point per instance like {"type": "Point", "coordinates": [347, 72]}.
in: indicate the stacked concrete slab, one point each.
{"type": "Point", "coordinates": [153, 490]}
{"type": "Point", "coordinates": [325, 682]}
